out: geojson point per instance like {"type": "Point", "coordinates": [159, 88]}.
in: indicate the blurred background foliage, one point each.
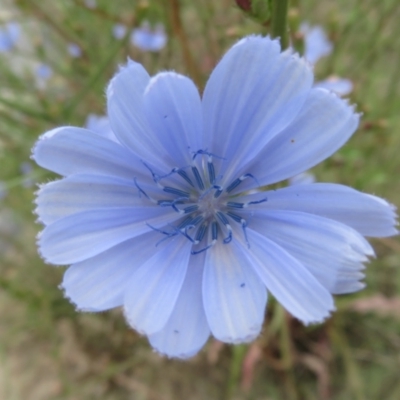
{"type": "Point", "coordinates": [55, 74]}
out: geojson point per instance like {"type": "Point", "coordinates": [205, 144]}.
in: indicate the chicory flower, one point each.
{"type": "Point", "coordinates": [167, 221]}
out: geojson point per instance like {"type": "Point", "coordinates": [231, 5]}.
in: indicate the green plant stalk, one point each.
{"type": "Point", "coordinates": [279, 21]}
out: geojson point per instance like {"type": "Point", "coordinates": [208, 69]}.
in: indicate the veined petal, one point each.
{"type": "Point", "coordinates": [85, 192]}
{"type": "Point", "coordinates": [187, 329]}
{"type": "Point", "coordinates": [369, 215]}
{"type": "Point", "coordinates": [154, 288]}
{"type": "Point", "coordinates": [126, 112]}
{"type": "Point", "coordinates": [234, 297]}
{"type": "Point", "coordinates": [333, 252]}
{"type": "Point", "coordinates": [324, 124]}
{"type": "Point", "coordinates": [99, 283]}
{"type": "Point", "coordinates": [69, 150]}
{"type": "Point", "coordinates": [253, 93]}
{"type": "Point", "coordinates": [86, 234]}
{"type": "Point", "coordinates": [173, 109]}
{"type": "Point", "coordinates": [288, 280]}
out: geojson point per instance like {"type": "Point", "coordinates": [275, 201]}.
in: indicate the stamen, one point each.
{"type": "Point", "coordinates": [256, 202]}
{"type": "Point", "coordinates": [198, 178]}
{"type": "Point", "coordinates": [218, 192]}
{"type": "Point", "coordinates": [156, 177]}
{"type": "Point", "coordinates": [234, 204]}
{"type": "Point", "coordinates": [214, 235]}
{"type": "Point", "coordinates": [173, 203]}
{"type": "Point", "coordinates": [160, 230]}
{"type": "Point", "coordinates": [178, 192]}
{"type": "Point", "coordinates": [185, 176]}
{"type": "Point", "coordinates": [207, 153]}
{"type": "Point", "coordinates": [185, 222]}
{"type": "Point", "coordinates": [214, 187]}
{"type": "Point", "coordinates": [238, 181]}
{"type": "Point", "coordinates": [191, 209]}
{"type": "Point", "coordinates": [211, 172]}
{"type": "Point", "coordinates": [201, 233]}
{"type": "Point", "coordinates": [241, 221]}
{"type": "Point", "coordinates": [141, 191]}
{"type": "Point", "coordinates": [223, 219]}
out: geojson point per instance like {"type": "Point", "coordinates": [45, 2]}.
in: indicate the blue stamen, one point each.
{"type": "Point", "coordinates": [207, 153]}
{"type": "Point", "coordinates": [156, 177]}
{"type": "Point", "coordinates": [141, 191]}
{"type": "Point", "coordinates": [238, 181]}
{"type": "Point", "coordinates": [214, 231]}
{"type": "Point", "coordinates": [171, 190]}
{"type": "Point", "coordinates": [190, 209]}
{"type": "Point", "coordinates": [218, 193]}
{"type": "Point", "coordinates": [198, 178]}
{"type": "Point", "coordinates": [257, 201]}
{"type": "Point", "coordinates": [211, 172]}
{"type": "Point", "coordinates": [235, 217]}
{"type": "Point", "coordinates": [201, 233]}
{"type": "Point", "coordinates": [234, 204]}
{"type": "Point", "coordinates": [185, 176]}
{"type": "Point", "coordinates": [222, 218]}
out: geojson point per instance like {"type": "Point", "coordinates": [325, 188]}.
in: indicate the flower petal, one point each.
{"type": "Point", "coordinates": [187, 328]}
{"type": "Point", "coordinates": [173, 108]}
{"type": "Point", "coordinates": [333, 252]}
{"type": "Point", "coordinates": [340, 86]}
{"type": "Point", "coordinates": [84, 192]}
{"type": "Point", "coordinates": [324, 124]}
{"type": "Point", "coordinates": [234, 297]}
{"type": "Point", "coordinates": [70, 150]}
{"type": "Point", "coordinates": [288, 280]}
{"type": "Point", "coordinates": [86, 234]}
{"type": "Point", "coordinates": [253, 93]}
{"type": "Point", "coordinates": [153, 289]}
{"type": "Point", "coordinates": [126, 112]}
{"type": "Point", "coordinates": [369, 215]}
{"type": "Point", "coordinates": [99, 283]}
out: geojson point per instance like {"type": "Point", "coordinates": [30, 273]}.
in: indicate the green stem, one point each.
{"type": "Point", "coordinates": [279, 21]}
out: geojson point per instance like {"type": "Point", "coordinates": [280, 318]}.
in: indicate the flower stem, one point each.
{"type": "Point", "coordinates": [279, 21]}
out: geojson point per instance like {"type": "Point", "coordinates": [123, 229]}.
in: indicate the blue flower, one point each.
{"type": "Point", "coordinates": [74, 50]}
{"type": "Point", "coordinates": [162, 222]}
{"type": "Point", "coordinates": [9, 35]}
{"type": "Point", "coordinates": [317, 46]}
{"type": "Point", "coordinates": [147, 39]}
{"type": "Point", "coordinates": [316, 43]}
{"type": "Point", "coordinates": [119, 31]}
{"type": "Point", "coordinates": [340, 86]}
{"type": "Point", "coordinates": [44, 72]}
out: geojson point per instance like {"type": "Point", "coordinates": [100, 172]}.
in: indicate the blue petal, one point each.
{"type": "Point", "coordinates": [288, 280]}
{"type": "Point", "coordinates": [369, 215]}
{"type": "Point", "coordinates": [153, 290]}
{"type": "Point", "coordinates": [70, 150]}
{"type": "Point", "coordinates": [317, 44]}
{"type": "Point", "coordinates": [234, 297]}
{"type": "Point", "coordinates": [126, 112]}
{"type": "Point", "coordinates": [173, 109]}
{"type": "Point", "coordinates": [99, 283]}
{"type": "Point", "coordinates": [253, 93]}
{"type": "Point", "coordinates": [83, 235]}
{"type": "Point", "coordinates": [82, 192]}
{"type": "Point", "coordinates": [333, 252]}
{"type": "Point", "coordinates": [324, 124]}
{"type": "Point", "coordinates": [187, 329]}
{"type": "Point", "coordinates": [340, 86]}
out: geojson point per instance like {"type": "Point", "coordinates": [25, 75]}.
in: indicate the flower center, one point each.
{"type": "Point", "coordinates": [207, 208]}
